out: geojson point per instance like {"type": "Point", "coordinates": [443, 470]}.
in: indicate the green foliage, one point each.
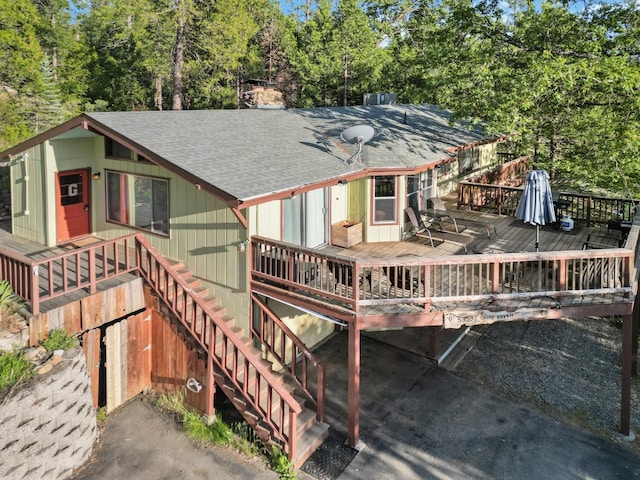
{"type": "Point", "coordinates": [14, 368]}
{"type": "Point", "coordinates": [58, 339]}
{"type": "Point", "coordinates": [237, 435]}
{"type": "Point", "coordinates": [336, 54]}
{"type": "Point", "coordinates": [563, 76]}
{"type": "Point", "coordinates": [6, 292]}
{"type": "Point", "coordinates": [246, 439]}
{"type": "Point", "coordinates": [282, 465]}
{"type": "Point", "coordinates": [216, 433]}
{"type": "Point", "coordinates": [172, 402]}
{"type": "Point", "coordinates": [101, 414]}
{"type": "Point", "coordinates": [20, 53]}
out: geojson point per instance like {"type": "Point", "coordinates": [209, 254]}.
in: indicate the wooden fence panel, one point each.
{"type": "Point", "coordinates": [139, 353]}
{"type": "Point", "coordinates": [114, 365]}
{"type": "Point", "coordinates": [128, 348]}
{"type": "Point", "coordinates": [91, 347]}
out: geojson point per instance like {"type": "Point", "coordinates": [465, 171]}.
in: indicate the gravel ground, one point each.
{"type": "Point", "coordinates": [570, 369]}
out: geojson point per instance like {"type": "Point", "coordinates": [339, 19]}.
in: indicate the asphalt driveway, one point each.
{"type": "Point", "coordinates": [421, 422]}
{"type": "Point", "coordinates": [417, 422]}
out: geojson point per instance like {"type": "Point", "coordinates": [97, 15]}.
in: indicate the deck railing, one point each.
{"type": "Point", "coordinates": [512, 172]}
{"type": "Point", "coordinates": [287, 349]}
{"type": "Point", "coordinates": [589, 210]}
{"type": "Point", "coordinates": [352, 283]}
{"type": "Point", "coordinates": [38, 280]}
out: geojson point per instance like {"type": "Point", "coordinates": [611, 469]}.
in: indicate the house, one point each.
{"type": "Point", "coordinates": [230, 218]}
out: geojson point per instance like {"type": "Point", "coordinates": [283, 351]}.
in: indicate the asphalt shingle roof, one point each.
{"type": "Point", "coordinates": [252, 153]}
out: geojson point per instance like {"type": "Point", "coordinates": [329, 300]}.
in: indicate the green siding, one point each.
{"type": "Point", "coordinates": [29, 216]}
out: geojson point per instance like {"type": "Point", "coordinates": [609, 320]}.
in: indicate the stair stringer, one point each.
{"type": "Point", "coordinates": [235, 365]}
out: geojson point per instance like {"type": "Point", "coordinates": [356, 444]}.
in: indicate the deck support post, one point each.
{"type": "Point", "coordinates": [625, 401]}
{"type": "Point", "coordinates": [634, 337]}
{"type": "Point", "coordinates": [210, 384]}
{"type": "Point", "coordinates": [354, 386]}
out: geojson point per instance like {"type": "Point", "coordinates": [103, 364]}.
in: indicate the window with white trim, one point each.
{"type": "Point", "coordinates": [384, 199]}
{"type": "Point", "coordinates": [138, 201]}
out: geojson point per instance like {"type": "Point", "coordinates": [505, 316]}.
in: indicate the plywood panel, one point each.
{"type": "Point", "coordinates": [122, 386]}
{"type": "Point", "coordinates": [116, 345]}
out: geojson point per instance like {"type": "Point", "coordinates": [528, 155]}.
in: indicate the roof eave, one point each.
{"type": "Point", "coordinates": [198, 183]}
{"type": "Point", "coordinates": [80, 121]}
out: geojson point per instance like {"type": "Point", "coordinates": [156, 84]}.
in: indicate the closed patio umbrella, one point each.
{"type": "Point", "coordinates": [536, 203]}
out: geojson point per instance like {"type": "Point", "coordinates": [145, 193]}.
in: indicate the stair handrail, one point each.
{"type": "Point", "coordinates": [291, 402]}
{"type": "Point", "coordinates": [297, 343]}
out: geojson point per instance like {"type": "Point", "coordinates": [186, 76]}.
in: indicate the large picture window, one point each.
{"type": "Point", "coordinates": [137, 201]}
{"type": "Point", "coordinates": [384, 199]}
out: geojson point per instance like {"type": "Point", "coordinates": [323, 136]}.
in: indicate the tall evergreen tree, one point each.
{"type": "Point", "coordinates": [565, 79]}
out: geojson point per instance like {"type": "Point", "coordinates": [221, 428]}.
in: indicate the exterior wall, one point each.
{"type": "Point", "coordinates": [338, 203]}
{"type": "Point", "coordinates": [49, 426]}
{"type": "Point", "coordinates": [28, 183]}
{"type": "Point", "coordinates": [174, 361]}
{"type": "Point", "coordinates": [265, 220]}
{"type": "Point", "coordinates": [384, 233]}
{"type": "Point", "coordinates": [204, 234]}
{"type": "Point", "coordinates": [358, 203]}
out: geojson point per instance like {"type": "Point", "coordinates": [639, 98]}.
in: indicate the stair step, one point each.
{"type": "Point", "coordinates": [306, 418]}
{"type": "Point", "coordinates": [183, 271]}
{"type": "Point", "coordinates": [309, 433]}
{"type": "Point", "coordinates": [309, 441]}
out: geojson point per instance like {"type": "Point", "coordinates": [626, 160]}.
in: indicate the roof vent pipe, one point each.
{"type": "Point", "coordinates": [405, 117]}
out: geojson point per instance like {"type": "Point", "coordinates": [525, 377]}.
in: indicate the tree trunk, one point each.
{"type": "Point", "coordinates": [178, 64]}
{"type": "Point", "coordinates": [345, 64]}
{"type": "Point", "coordinates": [54, 52]}
{"type": "Point", "coordinates": [157, 97]}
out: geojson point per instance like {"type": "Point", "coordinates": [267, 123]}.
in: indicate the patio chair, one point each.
{"type": "Point", "coordinates": [421, 230]}
{"type": "Point", "coordinates": [440, 211]}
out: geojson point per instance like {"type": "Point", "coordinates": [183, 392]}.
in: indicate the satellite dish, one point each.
{"type": "Point", "coordinates": [359, 134]}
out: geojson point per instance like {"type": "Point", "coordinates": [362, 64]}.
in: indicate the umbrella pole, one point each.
{"type": "Point", "coordinates": [537, 236]}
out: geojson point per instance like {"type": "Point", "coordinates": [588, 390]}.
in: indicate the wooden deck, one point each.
{"type": "Point", "coordinates": [502, 276]}
{"type": "Point", "coordinates": [454, 284]}
{"type": "Point", "coordinates": [75, 272]}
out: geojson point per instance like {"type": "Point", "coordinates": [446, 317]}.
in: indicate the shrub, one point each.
{"type": "Point", "coordinates": [58, 339]}
{"type": "Point", "coordinates": [14, 368]}
{"type": "Point", "coordinates": [6, 292]}
{"type": "Point", "coordinates": [238, 435]}
{"type": "Point", "coordinates": [281, 464]}
{"type": "Point", "coordinates": [218, 432]}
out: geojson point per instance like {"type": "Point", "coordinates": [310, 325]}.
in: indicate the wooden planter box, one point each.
{"type": "Point", "coordinates": [346, 233]}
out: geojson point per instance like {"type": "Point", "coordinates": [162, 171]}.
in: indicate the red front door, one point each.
{"type": "Point", "coordinates": [72, 192]}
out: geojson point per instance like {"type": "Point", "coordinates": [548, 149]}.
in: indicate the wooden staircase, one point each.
{"type": "Point", "coordinates": [274, 403]}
